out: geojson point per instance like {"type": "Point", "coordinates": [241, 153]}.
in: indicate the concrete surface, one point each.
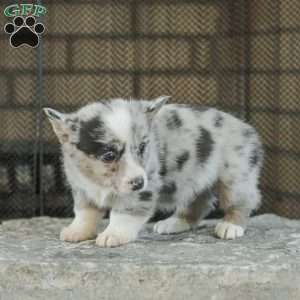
{"type": "Point", "coordinates": [265, 264]}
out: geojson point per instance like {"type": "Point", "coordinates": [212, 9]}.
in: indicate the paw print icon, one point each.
{"type": "Point", "coordinates": [24, 31]}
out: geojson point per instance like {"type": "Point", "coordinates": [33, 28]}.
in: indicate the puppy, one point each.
{"type": "Point", "coordinates": [137, 157]}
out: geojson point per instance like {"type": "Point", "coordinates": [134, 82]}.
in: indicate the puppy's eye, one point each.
{"type": "Point", "coordinates": [141, 149]}
{"type": "Point", "coordinates": [109, 156]}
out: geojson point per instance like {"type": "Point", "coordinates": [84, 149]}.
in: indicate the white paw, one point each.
{"type": "Point", "coordinates": [228, 231]}
{"type": "Point", "coordinates": [76, 234]}
{"type": "Point", "coordinates": [109, 239]}
{"type": "Point", "coordinates": [171, 225]}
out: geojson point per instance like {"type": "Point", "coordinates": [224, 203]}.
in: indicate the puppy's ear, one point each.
{"type": "Point", "coordinates": [156, 105]}
{"type": "Point", "coordinates": [58, 122]}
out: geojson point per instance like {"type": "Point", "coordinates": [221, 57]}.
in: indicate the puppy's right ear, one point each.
{"type": "Point", "coordinates": [58, 123]}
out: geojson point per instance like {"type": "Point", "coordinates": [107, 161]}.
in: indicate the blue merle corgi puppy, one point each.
{"type": "Point", "coordinates": [137, 157]}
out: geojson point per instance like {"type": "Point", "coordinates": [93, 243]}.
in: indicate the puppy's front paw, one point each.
{"type": "Point", "coordinates": [110, 239]}
{"type": "Point", "coordinates": [228, 231]}
{"type": "Point", "coordinates": [75, 234]}
{"type": "Point", "coordinates": [171, 225]}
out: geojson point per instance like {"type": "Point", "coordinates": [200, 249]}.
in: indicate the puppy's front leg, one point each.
{"type": "Point", "coordinates": [122, 229]}
{"type": "Point", "coordinates": [85, 222]}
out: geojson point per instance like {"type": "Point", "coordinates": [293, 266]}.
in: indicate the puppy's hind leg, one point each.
{"type": "Point", "coordinates": [239, 193]}
{"type": "Point", "coordinates": [187, 217]}
{"type": "Point", "coordinates": [237, 201]}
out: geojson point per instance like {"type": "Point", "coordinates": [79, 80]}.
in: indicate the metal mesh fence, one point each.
{"type": "Point", "coordinates": [240, 56]}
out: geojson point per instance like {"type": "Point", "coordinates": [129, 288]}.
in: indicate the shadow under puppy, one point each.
{"type": "Point", "coordinates": [139, 156]}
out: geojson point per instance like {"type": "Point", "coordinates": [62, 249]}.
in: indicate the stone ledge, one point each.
{"type": "Point", "coordinates": [265, 264]}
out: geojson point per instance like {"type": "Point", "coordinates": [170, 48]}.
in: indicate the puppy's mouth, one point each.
{"type": "Point", "coordinates": [122, 192]}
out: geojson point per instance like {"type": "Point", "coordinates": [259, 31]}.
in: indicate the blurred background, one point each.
{"type": "Point", "coordinates": [240, 56]}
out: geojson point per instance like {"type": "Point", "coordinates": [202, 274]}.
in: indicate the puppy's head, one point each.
{"type": "Point", "coordinates": [108, 142]}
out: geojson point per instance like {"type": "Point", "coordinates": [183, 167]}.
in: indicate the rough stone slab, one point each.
{"type": "Point", "coordinates": [265, 264]}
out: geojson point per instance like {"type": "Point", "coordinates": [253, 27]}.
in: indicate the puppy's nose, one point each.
{"type": "Point", "coordinates": [137, 183]}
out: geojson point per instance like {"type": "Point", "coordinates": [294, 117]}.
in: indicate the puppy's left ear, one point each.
{"type": "Point", "coordinates": [58, 123]}
{"type": "Point", "coordinates": [157, 104]}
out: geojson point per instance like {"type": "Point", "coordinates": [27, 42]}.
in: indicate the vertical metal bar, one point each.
{"type": "Point", "coordinates": [134, 32]}
{"type": "Point", "coordinates": [276, 65]}
{"type": "Point", "coordinates": [276, 93]}
{"type": "Point", "coordinates": [40, 126]}
{"type": "Point", "coordinates": [245, 106]}
{"type": "Point", "coordinates": [40, 104]}
{"type": "Point", "coordinates": [36, 145]}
